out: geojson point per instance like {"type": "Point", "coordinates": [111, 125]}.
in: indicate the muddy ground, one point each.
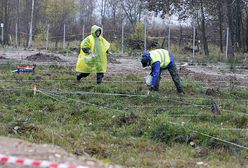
{"type": "Point", "coordinates": [212, 75]}
{"type": "Point", "coordinates": [40, 57]}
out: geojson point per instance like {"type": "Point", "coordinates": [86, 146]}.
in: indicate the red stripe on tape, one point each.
{"type": "Point", "coordinates": [19, 161]}
{"type": "Point", "coordinates": [36, 163]}
{"type": "Point", "coordinates": [4, 159]}
{"type": "Point", "coordinates": [72, 166]}
{"type": "Point", "coordinates": [54, 165]}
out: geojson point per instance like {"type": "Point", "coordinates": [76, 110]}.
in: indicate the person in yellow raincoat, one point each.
{"type": "Point", "coordinates": [93, 55]}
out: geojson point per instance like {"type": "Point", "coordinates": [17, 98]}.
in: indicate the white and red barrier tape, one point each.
{"type": "Point", "coordinates": [36, 163]}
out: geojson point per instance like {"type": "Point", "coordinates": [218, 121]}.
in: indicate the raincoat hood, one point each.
{"type": "Point", "coordinates": [94, 29]}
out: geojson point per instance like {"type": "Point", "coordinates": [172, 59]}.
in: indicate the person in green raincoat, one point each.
{"type": "Point", "coordinates": [93, 55]}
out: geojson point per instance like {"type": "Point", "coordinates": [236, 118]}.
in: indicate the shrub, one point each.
{"type": "Point", "coordinates": [167, 133]}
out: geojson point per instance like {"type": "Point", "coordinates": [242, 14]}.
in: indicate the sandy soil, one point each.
{"type": "Point", "coordinates": [25, 150]}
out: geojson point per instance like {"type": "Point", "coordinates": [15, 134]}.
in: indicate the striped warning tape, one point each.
{"type": "Point", "coordinates": [35, 163]}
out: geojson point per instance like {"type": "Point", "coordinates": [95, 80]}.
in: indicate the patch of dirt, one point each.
{"type": "Point", "coordinates": [127, 119]}
{"type": "Point", "coordinates": [212, 92]}
{"type": "Point", "coordinates": [25, 150]}
{"type": "Point", "coordinates": [39, 57]}
{"type": "Point", "coordinates": [127, 66]}
{"type": "Point", "coordinates": [244, 67]}
{"type": "Point", "coordinates": [214, 78]}
{"type": "Point", "coordinates": [21, 127]}
{"type": "Point", "coordinates": [1, 57]}
{"type": "Point", "coordinates": [113, 60]}
{"type": "Point", "coordinates": [212, 75]}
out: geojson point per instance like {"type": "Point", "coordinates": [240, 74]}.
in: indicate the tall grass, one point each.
{"type": "Point", "coordinates": [158, 130]}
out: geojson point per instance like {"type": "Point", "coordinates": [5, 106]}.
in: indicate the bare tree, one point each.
{"type": "Point", "coordinates": [113, 18]}
{"type": "Point", "coordinates": [18, 21]}
{"type": "Point", "coordinates": [246, 37]}
{"type": "Point", "coordinates": [5, 16]}
{"type": "Point", "coordinates": [31, 26]}
{"type": "Point", "coordinates": [133, 10]}
{"type": "Point", "coordinates": [227, 23]}
{"type": "Point", "coordinates": [59, 14]}
{"type": "Point", "coordinates": [220, 22]}
{"type": "Point", "coordinates": [203, 28]}
{"type": "Point", "coordinates": [103, 10]}
{"type": "Point", "coordinates": [86, 12]}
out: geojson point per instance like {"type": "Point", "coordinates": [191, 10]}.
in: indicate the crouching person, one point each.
{"type": "Point", "coordinates": [160, 60]}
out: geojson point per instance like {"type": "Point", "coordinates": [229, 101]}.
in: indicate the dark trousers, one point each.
{"type": "Point", "coordinates": [99, 77]}
{"type": "Point", "coordinates": [176, 79]}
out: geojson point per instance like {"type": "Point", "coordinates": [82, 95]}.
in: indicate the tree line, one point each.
{"type": "Point", "coordinates": [218, 15]}
{"type": "Point", "coordinates": [213, 18]}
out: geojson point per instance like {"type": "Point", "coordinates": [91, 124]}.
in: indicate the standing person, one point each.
{"type": "Point", "coordinates": [160, 60]}
{"type": "Point", "coordinates": [93, 55]}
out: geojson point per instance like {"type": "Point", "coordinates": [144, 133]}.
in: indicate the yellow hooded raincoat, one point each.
{"type": "Point", "coordinates": [98, 46]}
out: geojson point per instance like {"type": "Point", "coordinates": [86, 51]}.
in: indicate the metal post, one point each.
{"type": "Point", "coordinates": [169, 37]}
{"type": "Point", "coordinates": [2, 32]}
{"type": "Point", "coordinates": [16, 35]}
{"type": "Point", "coordinates": [193, 41]}
{"type": "Point", "coordinates": [122, 38]}
{"type": "Point", "coordinates": [145, 36]}
{"type": "Point", "coordinates": [47, 37]}
{"type": "Point", "coordinates": [227, 42]}
{"type": "Point", "coordinates": [83, 33]}
{"type": "Point", "coordinates": [64, 38]}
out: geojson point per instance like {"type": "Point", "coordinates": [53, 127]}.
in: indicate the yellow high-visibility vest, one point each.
{"type": "Point", "coordinates": [162, 56]}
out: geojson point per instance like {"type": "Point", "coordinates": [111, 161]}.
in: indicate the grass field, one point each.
{"type": "Point", "coordinates": [125, 125]}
